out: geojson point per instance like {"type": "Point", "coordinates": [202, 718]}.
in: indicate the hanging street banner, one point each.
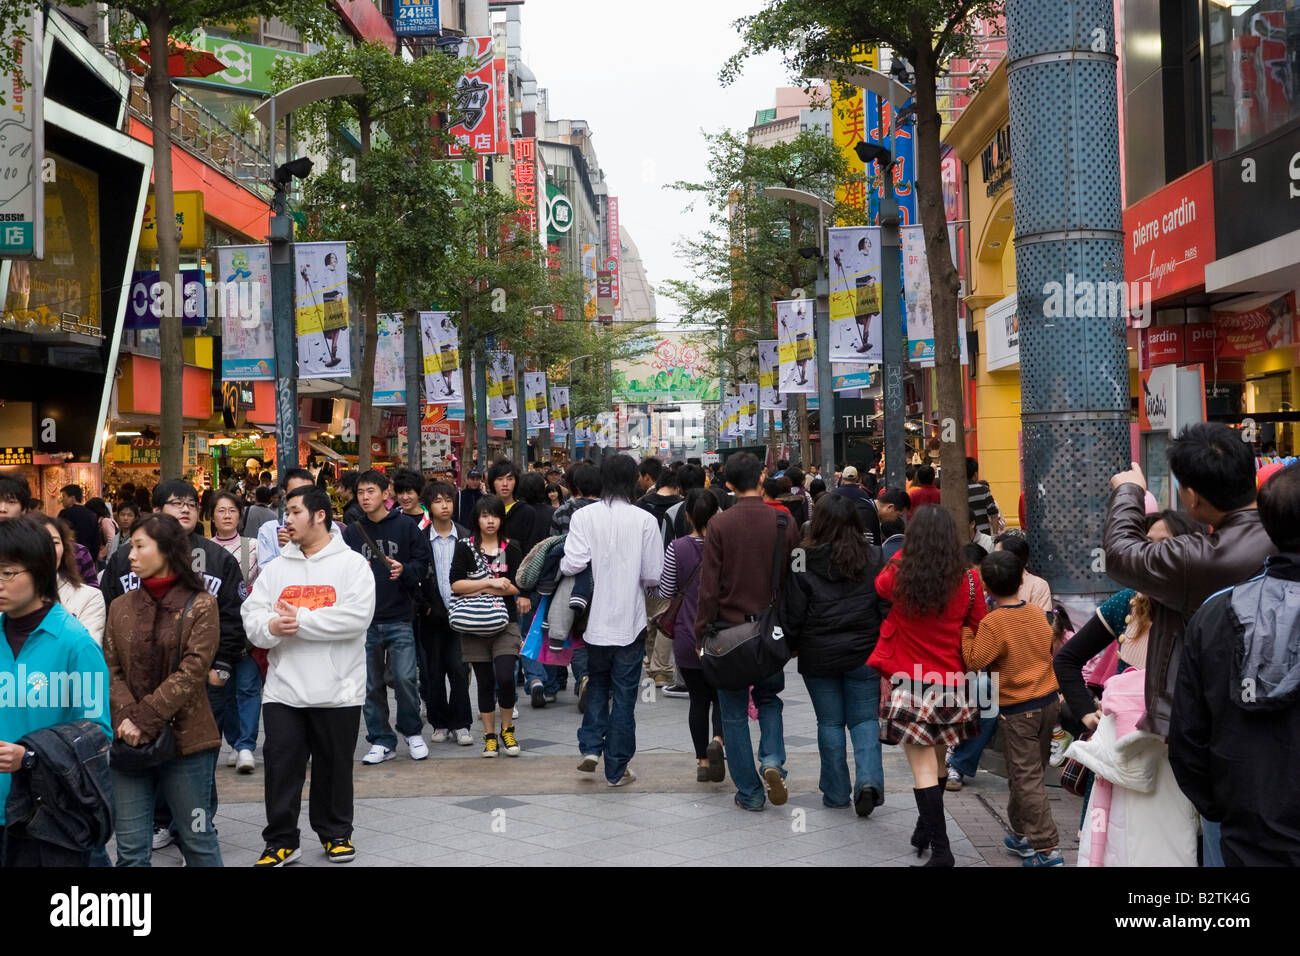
{"type": "Point", "coordinates": [501, 387]}
{"type": "Point", "coordinates": [613, 261]}
{"type": "Point", "coordinates": [589, 303]}
{"type": "Point", "coordinates": [769, 393]}
{"type": "Point", "coordinates": [794, 321]}
{"type": "Point", "coordinates": [849, 377]}
{"type": "Point", "coordinates": [321, 309]}
{"type": "Point", "coordinates": [748, 406]}
{"type": "Point", "coordinates": [443, 381]}
{"type": "Point", "coordinates": [148, 297]}
{"type": "Point", "coordinates": [247, 341]}
{"type": "Point", "coordinates": [670, 367]}
{"type": "Point", "coordinates": [390, 362]}
{"type": "Point", "coordinates": [916, 292]}
{"type": "Point", "coordinates": [22, 136]}
{"type": "Point", "coordinates": [904, 152]}
{"type": "Point", "coordinates": [474, 114]}
{"type": "Point", "coordinates": [536, 414]}
{"type": "Point", "coordinates": [848, 128]}
{"type": "Point", "coordinates": [560, 411]}
{"type": "Point", "coordinates": [729, 427]}
{"type": "Point", "coordinates": [856, 333]}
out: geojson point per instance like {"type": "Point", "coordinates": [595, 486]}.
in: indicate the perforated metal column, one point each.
{"type": "Point", "coordinates": [1073, 367]}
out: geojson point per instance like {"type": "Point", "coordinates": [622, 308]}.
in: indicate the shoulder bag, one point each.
{"type": "Point", "coordinates": [736, 656]}
{"type": "Point", "coordinates": [162, 748]}
{"type": "Point", "coordinates": [667, 620]}
{"type": "Point", "coordinates": [477, 614]}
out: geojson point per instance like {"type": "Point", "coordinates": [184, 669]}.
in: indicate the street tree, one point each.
{"type": "Point", "coordinates": [392, 195]}
{"type": "Point", "coordinates": [820, 38]}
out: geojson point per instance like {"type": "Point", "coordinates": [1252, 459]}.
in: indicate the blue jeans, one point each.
{"type": "Point", "coordinates": [851, 700]}
{"type": "Point", "coordinates": [185, 783]}
{"type": "Point", "coordinates": [391, 646]}
{"type": "Point", "coordinates": [535, 672]}
{"type": "Point", "coordinates": [1211, 851]}
{"type": "Point", "coordinates": [966, 755]}
{"type": "Point", "coordinates": [579, 665]}
{"type": "Point", "coordinates": [735, 736]}
{"type": "Point", "coordinates": [241, 701]}
{"type": "Point", "coordinates": [609, 723]}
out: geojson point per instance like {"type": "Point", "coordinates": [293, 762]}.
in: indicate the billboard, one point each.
{"type": "Point", "coordinates": [247, 342]}
{"type": "Point", "coordinates": [855, 295]}
{"type": "Point", "coordinates": [474, 112]}
{"type": "Point", "coordinates": [443, 382]}
{"type": "Point", "coordinates": [797, 347]}
{"type": "Point", "coordinates": [22, 147]}
{"type": "Point", "coordinates": [321, 309]}
{"type": "Point", "coordinates": [416, 18]}
{"type": "Point", "coordinates": [390, 362]}
{"type": "Point", "coordinates": [670, 367]}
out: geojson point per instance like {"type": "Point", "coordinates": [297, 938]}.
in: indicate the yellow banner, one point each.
{"type": "Point", "coordinates": [848, 128]}
{"type": "Point", "coordinates": [189, 220]}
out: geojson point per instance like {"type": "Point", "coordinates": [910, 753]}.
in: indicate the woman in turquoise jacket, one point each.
{"type": "Point", "coordinates": [43, 647]}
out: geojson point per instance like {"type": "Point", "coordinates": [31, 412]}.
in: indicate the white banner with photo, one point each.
{"type": "Point", "coordinates": [501, 386]}
{"type": "Point", "coordinates": [247, 339]}
{"type": "Point", "coordinates": [916, 293]}
{"type": "Point", "coordinates": [769, 371]}
{"type": "Point", "coordinates": [443, 382]}
{"type": "Point", "coordinates": [748, 407]}
{"type": "Point", "coordinates": [796, 349]}
{"type": "Point", "coordinates": [321, 309]}
{"type": "Point", "coordinates": [535, 410]}
{"type": "Point", "coordinates": [855, 295]}
{"type": "Point", "coordinates": [390, 362]}
{"type": "Point", "coordinates": [560, 411]}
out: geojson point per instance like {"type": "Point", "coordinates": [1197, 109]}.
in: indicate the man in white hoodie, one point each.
{"type": "Point", "coordinates": [311, 609]}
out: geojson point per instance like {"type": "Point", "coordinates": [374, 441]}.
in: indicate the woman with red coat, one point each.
{"type": "Point", "coordinates": [929, 700]}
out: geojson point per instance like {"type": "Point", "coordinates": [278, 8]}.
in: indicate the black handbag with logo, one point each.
{"type": "Point", "coordinates": [122, 756]}
{"type": "Point", "coordinates": [736, 656]}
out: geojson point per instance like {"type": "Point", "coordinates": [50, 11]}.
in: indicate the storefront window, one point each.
{"type": "Point", "coordinates": [1254, 70]}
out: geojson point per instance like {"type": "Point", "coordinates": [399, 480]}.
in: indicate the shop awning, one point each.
{"type": "Point", "coordinates": [323, 449]}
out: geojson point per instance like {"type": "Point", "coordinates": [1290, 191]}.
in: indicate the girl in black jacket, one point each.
{"type": "Point", "coordinates": [831, 615]}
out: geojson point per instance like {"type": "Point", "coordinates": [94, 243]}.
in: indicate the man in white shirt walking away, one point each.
{"type": "Point", "coordinates": [624, 549]}
{"type": "Point", "coordinates": [311, 609]}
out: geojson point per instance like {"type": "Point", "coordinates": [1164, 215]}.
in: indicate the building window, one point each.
{"type": "Point", "coordinates": [1254, 50]}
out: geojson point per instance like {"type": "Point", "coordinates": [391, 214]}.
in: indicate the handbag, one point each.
{"type": "Point", "coordinates": [123, 756]}
{"type": "Point", "coordinates": [1074, 775]}
{"type": "Point", "coordinates": [478, 614]}
{"type": "Point", "coordinates": [667, 619]}
{"type": "Point", "coordinates": [736, 656]}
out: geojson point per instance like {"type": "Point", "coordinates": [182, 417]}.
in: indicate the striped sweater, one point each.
{"type": "Point", "coordinates": [1016, 644]}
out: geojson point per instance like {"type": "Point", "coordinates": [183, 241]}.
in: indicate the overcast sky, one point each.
{"type": "Point", "coordinates": [644, 76]}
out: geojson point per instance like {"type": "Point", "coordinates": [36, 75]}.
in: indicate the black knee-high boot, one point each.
{"type": "Point", "coordinates": [920, 835]}
{"type": "Point", "coordinates": [941, 852]}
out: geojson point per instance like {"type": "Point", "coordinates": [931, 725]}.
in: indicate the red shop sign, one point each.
{"type": "Point", "coordinates": [1268, 326]}
{"type": "Point", "coordinates": [1162, 344]}
{"type": "Point", "coordinates": [1169, 236]}
{"type": "Point", "coordinates": [1198, 342]}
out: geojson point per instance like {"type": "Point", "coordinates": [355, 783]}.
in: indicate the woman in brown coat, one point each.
{"type": "Point", "coordinates": [159, 645]}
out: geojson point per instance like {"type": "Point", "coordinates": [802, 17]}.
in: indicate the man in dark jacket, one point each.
{"type": "Point", "coordinates": [81, 519]}
{"type": "Point", "coordinates": [862, 499]}
{"type": "Point", "coordinates": [399, 556]}
{"type": "Point", "coordinates": [449, 713]}
{"type": "Point", "coordinates": [468, 497]}
{"type": "Point", "coordinates": [1215, 471]}
{"type": "Point", "coordinates": [736, 584]}
{"type": "Point", "coordinates": [1234, 736]}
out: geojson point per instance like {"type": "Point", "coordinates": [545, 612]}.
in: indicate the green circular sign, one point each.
{"type": "Point", "coordinates": [559, 213]}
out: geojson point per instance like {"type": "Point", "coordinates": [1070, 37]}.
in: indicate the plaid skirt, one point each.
{"type": "Point", "coordinates": [909, 715]}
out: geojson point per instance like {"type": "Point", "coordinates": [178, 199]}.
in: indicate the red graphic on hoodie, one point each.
{"type": "Point", "coordinates": [309, 596]}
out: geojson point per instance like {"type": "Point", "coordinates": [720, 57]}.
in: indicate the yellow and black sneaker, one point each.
{"type": "Point", "coordinates": [490, 747]}
{"type": "Point", "coordinates": [278, 856]}
{"type": "Point", "coordinates": [509, 742]}
{"type": "Point", "coordinates": [339, 851]}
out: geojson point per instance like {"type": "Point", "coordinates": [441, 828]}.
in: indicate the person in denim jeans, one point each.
{"type": "Point", "coordinates": [399, 556]}
{"type": "Point", "coordinates": [159, 645]}
{"type": "Point", "coordinates": [831, 616]}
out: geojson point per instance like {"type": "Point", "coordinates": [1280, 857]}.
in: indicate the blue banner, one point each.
{"type": "Point", "coordinates": [148, 296]}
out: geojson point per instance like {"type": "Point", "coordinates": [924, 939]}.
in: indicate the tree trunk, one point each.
{"type": "Point", "coordinates": [172, 359]}
{"type": "Point", "coordinates": [944, 284]}
{"type": "Point", "coordinates": [469, 451]}
{"type": "Point", "coordinates": [370, 317]}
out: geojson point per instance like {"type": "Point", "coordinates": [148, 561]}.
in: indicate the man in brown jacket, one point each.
{"type": "Point", "coordinates": [736, 584]}
{"type": "Point", "coordinates": [1215, 471]}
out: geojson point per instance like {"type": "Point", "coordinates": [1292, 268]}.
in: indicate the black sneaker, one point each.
{"type": "Point", "coordinates": [339, 851]}
{"type": "Point", "coordinates": [676, 690]}
{"type": "Point", "coordinates": [278, 856]}
{"type": "Point", "coordinates": [538, 694]}
{"type": "Point", "coordinates": [866, 800]}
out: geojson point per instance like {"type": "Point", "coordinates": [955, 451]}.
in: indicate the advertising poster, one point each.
{"type": "Point", "coordinates": [501, 386]}
{"type": "Point", "coordinates": [390, 362]}
{"type": "Point", "coordinates": [796, 349]}
{"type": "Point", "coordinates": [589, 282]}
{"type": "Point", "coordinates": [848, 377]}
{"type": "Point", "coordinates": [731, 416]}
{"type": "Point", "coordinates": [560, 411]}
{"type": "Point", "coordinates": [769, 392]}
{"type": "Point", "coordinates": [474, 118]}
{"type": "Point", "coordinates": [536, 414]}
{"type": "Point", "coordinates": [748, 406]}
{"type": "Point", "coordinates": [321, 309]}
{"type": "Point", "coordinates": [669, 367]}
{"type": "Point", "coordinates": [856, 334]}
{"type": "Point", "coordinates": [904, 151]}
{"type": "Point", "coordinates": [916, 292]}
{"type": "Point", "coordinates": [1268, 325]}
{"type": "Point", "coordinates": [148, 297]}
{"type": "Point", "coordinates": [22, 187]}
{"type": "Point", "coordinates": [247, 342]}
{"type": "Point", "coordinates": [443, 382]}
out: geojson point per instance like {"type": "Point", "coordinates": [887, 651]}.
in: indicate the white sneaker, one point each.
{"type": "Point", "coordinates": [515, 713]}
{"type": "Point", "coordinates": [628, 777]}
{"type": "Point", "coordinates": [419, 749]}
{"type": "Point", "coordinates": [162, 837]}
{"type": "Point", "coordinates": [378, 754]}
{"type": "Point", "coordinates": [231, 758]}
{"type": "Point", "coordinates": [439, 735]}
{"type": "Point", "coordinates": [463, 739]}
{"type": "Point", "coordinates": [245, 763]}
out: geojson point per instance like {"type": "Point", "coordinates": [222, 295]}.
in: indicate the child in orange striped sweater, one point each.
{"type": "Point", "coordinates": [1014, 643]}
